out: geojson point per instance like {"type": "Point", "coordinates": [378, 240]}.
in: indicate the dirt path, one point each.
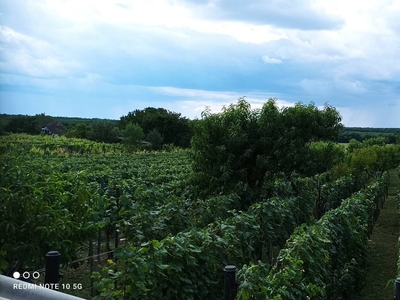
{"type": "Point", "coordinates": [382, 261]}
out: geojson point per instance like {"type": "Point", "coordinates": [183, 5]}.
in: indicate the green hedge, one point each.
{"type": "Point", "coordinates": [189, 265]}
{"type": "Point", "coordinates": [322, 261]}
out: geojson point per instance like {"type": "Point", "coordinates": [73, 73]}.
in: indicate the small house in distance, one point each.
{"type": "Point", "coordinates": [54, 128]}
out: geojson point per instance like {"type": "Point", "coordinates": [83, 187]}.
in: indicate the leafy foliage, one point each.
{"type": "Point", "coordinates": [132, 134]}
{"type": "Point", "coordinates": [174, 128]}
{"type": "Point", "coordinates": [27, 124]}
{"type": "Point", "coordinates": [363, 133]}
{"type": "Point", "coordinates": [103, 131]}
{"type": "Point", "coordinates": [22, 124]}
{"type": "Point", "coordinates": [42, 210]}
{"type": "Point", "coordinates": [354, 144]}
{"type": "Point", "coordinates": [242, 147]}
{"type": "Point", "coordinates": [323, 156]}
{"type": "Point", "coordinates": [80, 131]}
{"type": "Point", "coordinates": [48, 203]}
{"type": "Point", "coordinates": [398, 201]}
{"type": "Point", "coordinates": [257, 176]}
{"type": "Point", "coordinates": [320, 261]}
{"type": "Point", "coordinates": [155, 138]}
{"type": "Point", "coordinates": [23, 144]}
{"type": "Point", "coordinates": [375, 160]}
{"type": "Point", "coordinates": [178, 267]}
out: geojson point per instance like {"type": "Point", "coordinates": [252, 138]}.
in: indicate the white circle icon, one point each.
{"type": "Point", "coordinates": [26, 275]}
{"type": "Point", "coordinates": [36, 275]}
{"type": "Point", "coordinates": [16, 275]}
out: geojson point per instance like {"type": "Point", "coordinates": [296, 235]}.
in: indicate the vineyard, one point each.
{"type": "Point", "coordinates": [295, 223]}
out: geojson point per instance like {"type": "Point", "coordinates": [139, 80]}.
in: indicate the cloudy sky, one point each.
{"type": "Point", "coordinates": [104, 58]}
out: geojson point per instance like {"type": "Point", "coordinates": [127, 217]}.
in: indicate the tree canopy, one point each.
{"type": "Point", "coordinates": [174, 128]}
{"type": "Point", "coordinates": [155, 138]}
{"type": "Point", "coordinates": [27, 124]}
{"type": "Point", "coordinates": [80, 130]}
{"type": "Point", "coordinates": [103, 131]}
{"type": "Point", "coordinates": [373, 157]}
{"type": "Point", "coordinates": [239, 147]}
{"type": "Point", "coordinates": [132, 135]}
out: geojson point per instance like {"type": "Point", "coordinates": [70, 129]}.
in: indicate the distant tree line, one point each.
{"type": "Point", "coordinates": [23, 123]}
{"type": "Point", "coordinates": [157, 126]}
{"type": "Point", "coordinates": [150, 127]}
{"type": "Point", "coordinates": [361, 134]}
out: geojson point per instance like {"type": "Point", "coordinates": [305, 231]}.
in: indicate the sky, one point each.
{"type": "Point", "coordinates": [105, 58]}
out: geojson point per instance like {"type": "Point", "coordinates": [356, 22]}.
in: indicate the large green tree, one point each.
{"type": "Point", "coordinates": [239, 147]}
{"type": "Point", "coordinates": [155, 138]}
{"type": "Point", "coordinates": [354, 144]}
{"type": "Point", "coordinates": [27, 124]}
{"type": "Point", "coordinates": [103, 131]}
{"type": "Point", "coordinates": [132, 135]}
{"type": "Point", "coordinates": [22, 124]}
{"type": "Point", "coordinates": [80, 130]}
{"type": "Point", "coordinates": [374, 160]}
{"type": "Point", "coordinates": [323, 156]}
{"type": "Point", "coordinates": [172, 126]}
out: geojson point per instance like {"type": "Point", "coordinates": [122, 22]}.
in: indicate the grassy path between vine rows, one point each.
{"type": "Point", "coordinates": [382, 260]}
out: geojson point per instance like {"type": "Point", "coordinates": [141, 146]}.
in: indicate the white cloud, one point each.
{"type": "Point", "coordinates": [149, 12]}
{"type": "Point", "coordinates": [167, 14]}
{"type": "Point", "coordinates": [381, 115]}
{"type": "Point", "coordinates": [193, 93]}
{"type": "Point", "coordinates": [305, 15]}
{"type": "Point", "coordinates": [192, 102]}
{"type": "Point", "coordinates": [93, 77]}
{"type": "Point", "coordinates": [31, 56]}
{"type": "Point", "coordinates": [333, 51]}
{"type": "Point", "coordinates": [366, 46]}
{"type": "Point", "coordinates": [314, 85]}
{"type": "Point", "coordinates": [246, 33]}
{"type": "Point", "coordinates": [333, 85]}
{"type": "Point", "coordinates": [356, 117]}
{"type": "Point", "coordinates": [269, 60]}
{"type": "Point", "coordinates": [218, 96]}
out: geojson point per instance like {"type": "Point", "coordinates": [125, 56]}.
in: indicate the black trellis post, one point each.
{"type": "Point", "coordinates": [230, 286]}
{"type": "Point", "coordinates": [116, 229]}
{"type": "Point", "coordinates": [397, 296]}
{"type": "Point", "coordinates": [98, 246]}
{"type": "Point", "coordinates": [118, 194]}
{"type": "Point", "coordinates": [52, 274]}
{"type": "Point", "coordinates": [102, 184]}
